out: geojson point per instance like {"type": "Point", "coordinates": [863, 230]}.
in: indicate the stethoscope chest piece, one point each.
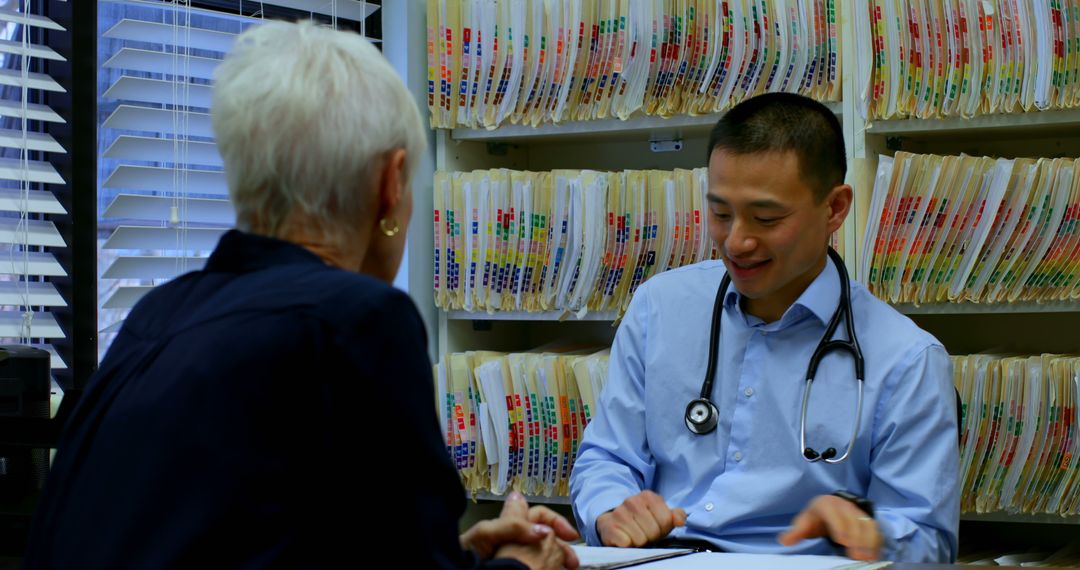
{"type": "Point", "coordinates": [701, 416]}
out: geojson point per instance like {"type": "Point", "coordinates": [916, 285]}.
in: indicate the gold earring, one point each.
{"type": "Point", "coordinates": [389, 232]}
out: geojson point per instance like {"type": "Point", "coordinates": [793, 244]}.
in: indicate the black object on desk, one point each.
{"type": "Point", "coordinates": [24, 407]}
{"type": "Point", "coordinates": [695, 544]}
{"type": "Point", "coordinates": [26, 434]}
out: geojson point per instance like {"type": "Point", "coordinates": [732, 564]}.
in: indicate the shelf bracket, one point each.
{"type": "Point", "coordinates": [673, 144]}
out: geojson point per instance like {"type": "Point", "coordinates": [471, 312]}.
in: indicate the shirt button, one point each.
{"type": "Point", "coordinates": [709, 507]}
{"type": "Point", "coordinates": [738, 456]}
{"type": "Point", "coordinates": [749, 392]}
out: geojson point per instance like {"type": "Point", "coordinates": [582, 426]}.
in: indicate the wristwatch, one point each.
{"type": "Point", "coordinates": [864, 504]}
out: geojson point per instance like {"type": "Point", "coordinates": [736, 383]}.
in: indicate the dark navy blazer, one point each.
{"type": "Point", "coordinates": [267, 411]}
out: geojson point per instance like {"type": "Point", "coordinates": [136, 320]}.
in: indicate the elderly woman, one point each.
{"type": "Point", "coordinates": [268, 409]}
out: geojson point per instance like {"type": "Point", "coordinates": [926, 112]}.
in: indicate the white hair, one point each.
{"type": "Point", "coordinates": [304, 116]}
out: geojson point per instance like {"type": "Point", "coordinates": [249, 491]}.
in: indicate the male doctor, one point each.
{"type": "Point", "coordinates": [776, 194]}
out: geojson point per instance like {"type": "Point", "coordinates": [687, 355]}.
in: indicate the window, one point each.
{"type": "Point", "coordinates": [162, 196]}
{"type": "Point", "coordinates": [38, 205]}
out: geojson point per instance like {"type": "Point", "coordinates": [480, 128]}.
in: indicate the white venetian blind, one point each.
{"type": "Point", "coordinates": [28, 236]}
{"type": "Point", "coordinates": [163, 198]}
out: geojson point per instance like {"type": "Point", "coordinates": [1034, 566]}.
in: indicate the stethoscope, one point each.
{"type": "Point", "coordinates": [702, 415]}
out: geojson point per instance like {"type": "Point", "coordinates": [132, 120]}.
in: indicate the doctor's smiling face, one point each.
{"type": "Point", "coordinates": [771, 227]}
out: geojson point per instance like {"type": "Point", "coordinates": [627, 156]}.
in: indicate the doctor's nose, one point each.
{"type": "Point", "coordinates": [738, 241]}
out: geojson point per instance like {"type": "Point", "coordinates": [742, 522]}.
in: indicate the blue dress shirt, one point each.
{"type": "Point", "coordinates": [742, 484]}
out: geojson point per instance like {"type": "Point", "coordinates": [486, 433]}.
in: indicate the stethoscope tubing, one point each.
{"type": "Point", "coordinates": [702, 415]}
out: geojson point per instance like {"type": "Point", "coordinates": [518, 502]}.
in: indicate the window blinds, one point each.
{"type": "Point", "coordinates": [28, 236]}
{"type": "Point", "coordinates": [163, 194]}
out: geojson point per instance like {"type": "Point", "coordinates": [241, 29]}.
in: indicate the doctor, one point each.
{"type": "Point", "coordinates": [673, 457]}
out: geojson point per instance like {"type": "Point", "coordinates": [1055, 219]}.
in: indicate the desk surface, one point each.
{"type": "Point", "coordinates": [939, 566]}
{"type": "Point", "coordinates": [942, 567]}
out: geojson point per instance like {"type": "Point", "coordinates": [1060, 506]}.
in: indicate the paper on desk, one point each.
{"type": "Point", "coordinates": [730, 561]}
{"type": "Point", "coordinates": [602, 557]}
{"type": "Point", "coordinates": [593, 557]}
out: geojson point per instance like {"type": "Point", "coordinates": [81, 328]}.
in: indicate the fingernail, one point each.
{"type": "Point", "coordinates": [515, 496]}
{"type": "Point", "coordinates": [541, 529]}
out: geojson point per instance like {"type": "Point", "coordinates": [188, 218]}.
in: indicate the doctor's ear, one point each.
{"type": "Point", "coordinates": [839, 203]}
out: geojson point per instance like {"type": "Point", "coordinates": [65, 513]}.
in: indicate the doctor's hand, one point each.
{"type": "Point", "coordinates": [518, 524]}
{"type": "Point", "coordinates": [839, 520]}
{"type": "Point", "coordinates": [641, 519]}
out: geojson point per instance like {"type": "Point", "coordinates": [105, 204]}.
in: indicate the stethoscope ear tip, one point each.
{"type": "Point", "coordinates": [812, 455]}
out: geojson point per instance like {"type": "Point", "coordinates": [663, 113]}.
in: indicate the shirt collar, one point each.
{"type": "Point", "coordinates": [820, 299]}
{"type": "Point", "coordinates": [241, 252]}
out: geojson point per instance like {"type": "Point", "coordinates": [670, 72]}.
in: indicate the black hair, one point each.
{"type": "Point", "coordinates": [785, 122]}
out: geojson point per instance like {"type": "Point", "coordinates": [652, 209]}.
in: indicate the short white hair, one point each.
{"type": "Point", "coordinates": [304, 116]}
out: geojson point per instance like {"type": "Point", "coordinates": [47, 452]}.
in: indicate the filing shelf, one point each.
{"type": "Point", "coordinates": [574, 145]}
{"type": "Point", "coordinates": [1019, 518]}
{"type": "Point", "coordinates": [905, 308]}
{"type": "Point", "coordinates": [987, 308]}
{"type": "Point", "coordinates": [564, 316]}
{"type": "Point", "coordinates": [638, 127]}
{"type": "Point", "coordinates": [1011, 123]}
{"type": "Point", "coordinates": [531, 499]}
